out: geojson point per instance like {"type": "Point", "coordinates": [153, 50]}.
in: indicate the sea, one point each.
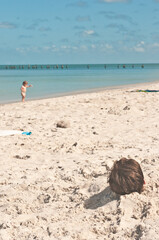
{"type": "Point", "coordinates": [53, 80]}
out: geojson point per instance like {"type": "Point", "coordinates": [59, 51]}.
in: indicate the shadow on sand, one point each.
{"type": "Point", "coordinates": [101, 199]}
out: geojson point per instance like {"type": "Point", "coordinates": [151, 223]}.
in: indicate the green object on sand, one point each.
{"type": "Point", "coordinates": [147, 90]}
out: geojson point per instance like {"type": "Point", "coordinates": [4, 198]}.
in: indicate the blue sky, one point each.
{"type": "Point", "coordinates": [79, 31]}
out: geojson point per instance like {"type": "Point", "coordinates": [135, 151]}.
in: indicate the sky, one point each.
{"type": "Point", "coordinates": [79, 31]}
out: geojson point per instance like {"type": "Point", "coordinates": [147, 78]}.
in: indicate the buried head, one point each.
{"type": "Point", "coordinates": [126, 177]}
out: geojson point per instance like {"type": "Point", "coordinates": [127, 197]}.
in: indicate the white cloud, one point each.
{"type": "Point", "coordinates": [46, 48]}
{"type": "Point", "coordinates": [20, 50]}
{"type": "Point", "coordinates": [75, 48]}
{"type": "Point", "coordinates": [69, 48]}
{"type": "Point", "coordinates": [106, 47]}
{"type": "Point", "coordinates": [51, 48]}
{"type": "Point", "coordinates": [140, 47]}
{"type": "Point", "coordinates": [93, 46]}
{"type": "Point", "coordinates": [24, 50]}
{"type": "Point", "coordinates": [89, 32]}
{"type": "Point", "coordinates": [112, 1]}
{"type": "Point", "coordinates": [117, 16]}
{"type": "Point", "coordinates": [7, 25]}
{"type": "Point", "coordinates": [65, 47]}
{"type": "Point", "coordinates": [54, 48]}
{"type": "Point", "coordinates": [155, 45]}
{"type": "Point", "coordinates": [84, 47]}
{"type": "Point", "coordinates": [80, 3]}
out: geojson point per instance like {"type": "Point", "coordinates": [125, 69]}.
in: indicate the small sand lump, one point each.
{"type": "Point", "coordinates": [63, 124]}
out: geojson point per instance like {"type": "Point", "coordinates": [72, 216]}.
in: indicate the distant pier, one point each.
{"type": "Point", "coordinates": [71, 66]}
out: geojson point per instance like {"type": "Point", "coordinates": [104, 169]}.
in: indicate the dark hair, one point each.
{"type": "Point", "coordinates": [25, 82]}
{"type": "Point", "coordinates": [126, 177]}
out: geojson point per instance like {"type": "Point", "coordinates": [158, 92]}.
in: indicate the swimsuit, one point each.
{"type": "Point", "coordinates": [23, 92]}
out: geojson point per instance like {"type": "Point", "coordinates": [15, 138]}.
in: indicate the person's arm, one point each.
{"type": "Point", "coordinates": [29, 86]}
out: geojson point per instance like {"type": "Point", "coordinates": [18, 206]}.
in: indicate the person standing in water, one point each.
{"type": "Point", "coordinates": [23, 90]}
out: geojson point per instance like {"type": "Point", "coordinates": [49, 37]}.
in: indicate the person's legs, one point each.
{"type": "Point", "coordinates": [23, 97]}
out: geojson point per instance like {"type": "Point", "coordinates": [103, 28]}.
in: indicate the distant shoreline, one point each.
{"type": "Point", "coordinates": [87, 91]}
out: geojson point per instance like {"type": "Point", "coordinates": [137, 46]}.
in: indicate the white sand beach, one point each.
{"type": "Point", "coordinates": [53, 183]}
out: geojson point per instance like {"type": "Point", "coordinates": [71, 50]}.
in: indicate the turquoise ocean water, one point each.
{"type": "Point", "coordinates": [51, 80]}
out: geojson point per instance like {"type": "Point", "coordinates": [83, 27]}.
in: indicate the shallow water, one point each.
{"type": "Point", "coordinates": [51, 81]}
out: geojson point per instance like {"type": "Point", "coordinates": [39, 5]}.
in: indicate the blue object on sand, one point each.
{"type": "Point", "coordinates": [147, 90]}
{"type": "Point", "coordinates": [27, 133]}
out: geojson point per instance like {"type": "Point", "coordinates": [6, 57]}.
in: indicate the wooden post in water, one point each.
{"type": "Point", "coordinates": [12, 67]}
